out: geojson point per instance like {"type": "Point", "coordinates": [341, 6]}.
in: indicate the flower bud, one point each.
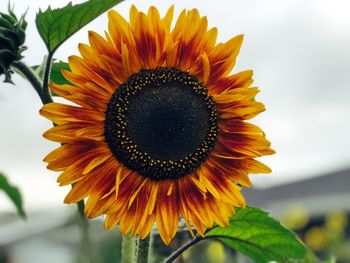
{"type": "Point", "coordinates": [12, 36]}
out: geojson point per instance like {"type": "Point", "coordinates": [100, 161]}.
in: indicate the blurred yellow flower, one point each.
{"type": "Point", "coordinates": [316, 239]}
{"type": "Point", "coordinates": [216, 252]}
{"type": "Point", "coordinates": [296, 217]}
{"type": "Point", "coordinates": [336, 221]}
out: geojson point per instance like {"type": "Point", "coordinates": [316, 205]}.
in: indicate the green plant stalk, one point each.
{"type": "Point", "coordinates": [45, 94]}
{"type": "Point", "coordinates": [86, 245]}
{"type": "Point", "coordinates": [128, 249]}
{"type": "Point", "coordinates": [31, 77]}
{"type": "Point", "coordinates": [178, 252]}
{"type": "Point", "coordinates": [143, 249]}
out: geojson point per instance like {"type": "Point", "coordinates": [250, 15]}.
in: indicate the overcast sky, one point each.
{"type": "Point", "coordinates": [299, 51]}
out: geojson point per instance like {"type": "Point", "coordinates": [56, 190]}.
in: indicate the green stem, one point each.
{"type": "Point", "coordinates": [128, 249]}
{"type": "Point", "coordinates": [143, 249]}
{"type": "Point", "coordinates": [178, 252]}
{"type": "Point", "coordinates": [86, 245]}
{"type": "Point", "coordinates": [31, 77]}
{"type": "Point", "coordinates": [45, 90]}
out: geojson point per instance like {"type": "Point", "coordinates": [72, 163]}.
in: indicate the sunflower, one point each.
{"type": "Point", "coordinates": [158, 128]}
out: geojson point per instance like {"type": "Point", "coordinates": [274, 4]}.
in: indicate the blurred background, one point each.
{"type": "Point", "coordinates": [299, 51]}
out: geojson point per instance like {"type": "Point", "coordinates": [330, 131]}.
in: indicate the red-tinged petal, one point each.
{"type": "Point", "coordinates": [239, 80]}
{"type": "Point", "coordinates": [223, 57]}
{"type": "Point", "coordinates": [85, 186]}
{"type": "Point", "coordinates": [75, 132]}
{"type": "Point", "coordinates": [101, 46]}
{"type": "Point", "coordinates": [120, 31]}
{"type": "Point", "coordinates": [99, 76]}
{"type": "Point", "coordinates": [241, 110]}
{"type": "Point", "coordinates": [95, 205]}
{"type": "Point", "coordinates": [167, 19]}
{"type": "Point", "coordinates": [61, 113]}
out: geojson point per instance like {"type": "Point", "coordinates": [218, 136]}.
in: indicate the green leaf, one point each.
{"type": "Point", "coordinates": [13, 193]}
{"type": "Point", "coordinates": [56, 25]}
{"type": "Point", "coordinates": [40, 69]}
{"type": "Point", "coordinates": [309, 257]}
{"type": "Point", "coordinates": [331, 260]}
{"type": "Point", "coordinates": [56, 73]}
{"type": "Point", "coordinates": [254, 233]}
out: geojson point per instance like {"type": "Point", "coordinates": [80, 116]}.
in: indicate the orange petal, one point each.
{"type": "Point", "coordinates": [62, 113]}
{"type": "Point", "coordinates": [223, 57]}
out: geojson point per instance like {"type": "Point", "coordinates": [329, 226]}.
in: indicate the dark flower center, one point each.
{"type": "Point", "coordinates": [161, 123]}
